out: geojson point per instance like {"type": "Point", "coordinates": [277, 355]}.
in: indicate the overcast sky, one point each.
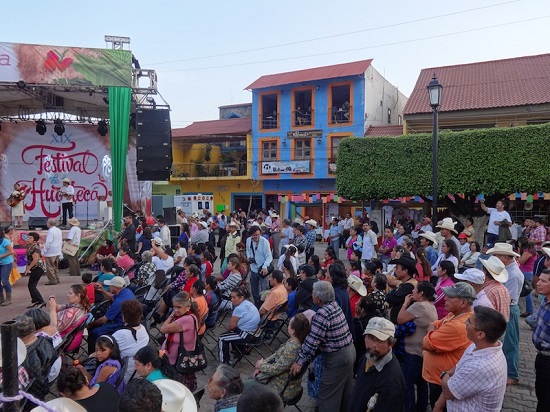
{"type": "Point", "coordinates": [207, 52]}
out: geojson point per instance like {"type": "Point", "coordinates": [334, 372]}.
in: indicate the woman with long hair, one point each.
{"type": "Point", "coordinates": [185, 235]}
{"type": "Point", "coordinates": [470, 258]}
{"type": "Point", "coordinates": [69, 316]}
{"type": "Point", "coordinates": [183, 322]}
{"type": "Point", "coordinates": [449, 252]}
{"type": "Point", "coordinates": [35, 269]}
{"type": "Point", "coordinates": [330, 257]}
{"type": "Point", "coordinates": [353, 241]}
{"type": "Point", "coordinates": [315, 262]}
{"type": "Point", "coordinates": [526, 260]}
{"type": "Point", "coordinates": [445, 277]}
{"type": "Point", "coordinates": [423, 266]}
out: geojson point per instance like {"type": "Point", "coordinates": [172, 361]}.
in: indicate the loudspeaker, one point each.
{"type": "Point", "coordinates": [154, 165]}
{"type": "Point", "coordinates": [155, 153]}
{"type": "Point", "coordinates": [38, 223]}
{"type": "Point", "coordinates": [170, 215]}
{"type": "Point", "coordinates": [153, 128]}
{"type": "Point", "coordinates": [153, 175]}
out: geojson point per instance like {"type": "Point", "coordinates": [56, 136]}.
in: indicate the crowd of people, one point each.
{"type": "Point", "coordinates": [422, 316]}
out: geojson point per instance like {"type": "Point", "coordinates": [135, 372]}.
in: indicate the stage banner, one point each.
{"type": "Point", "coordinates": [40, 163]}
{"type": "Point", "coordinates": [61, 65]}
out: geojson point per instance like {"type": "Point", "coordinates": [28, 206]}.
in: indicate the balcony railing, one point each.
{"type": "Point", "coordinates": [198, 169]}
{"type": "Point", "coordinates": [340, 115]}
{"type": "Point", "coordinates": [302, 118]}
{"type": "Point", "coordinates": [269, 121]}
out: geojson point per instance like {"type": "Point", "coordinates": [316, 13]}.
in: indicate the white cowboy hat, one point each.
{"type": "Point", "coordinates": [234, 224]}
{"type": "Point", "coordinates": [546, 250]}
{"type": "Point", "coordinates": [73, 221]}
{"type": "Point", "coordinates": [21, 352]}
{"type": "Point", "coordinates": [311, 222]}
{"type": "Point", "coordinates": [60, 405]}
{"type": "Point", "coordinates": [274, 216]}
{"type": "Point", "coordinates": [204, 225]}
{"type": "Point", "coordinates": [175, 396]}
{"type": "Point", "coordinates": [430, 236]}
{"type": "Point", "coordinates": [66, 180]}
{"type": "Point", "coordinates": [496, 268]}
{"type": "Point", "coordinates": [502, 249]}
{"type": "Point", "coordinates": [357, 285]}
{"type": "Point", "coordinates": [447, 223]}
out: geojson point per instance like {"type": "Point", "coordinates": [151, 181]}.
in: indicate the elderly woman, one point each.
{"type": "Point", "coordinates": [183, 322]}
{"type": "Point", "coordinates": [331, 339]}
{"type": "Point", "coordinates": [69, 316]}
{"type": "Point", "coordinates": [446, 339]}
{"type": "Point", "coordinates": [145, 274]}
{"type": "Point", "coordinates": [35, 269]}
{"type": "Point", "coordinates": [418, 308]}
{"type": "Point", "coordinates": [40, 355]}
{"type": "Point", "coordinates": [225, 386]}
{"type": "Point", "coordinates": [133, 336]}
{"type": "Point", "coordinates": [274, 370]}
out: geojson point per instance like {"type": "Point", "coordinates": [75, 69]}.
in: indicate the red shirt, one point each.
{"type": "Point", "coordinates": [90, 291]}
{"type": "Point", "coordinates": [189, 284]}
{"type": "Point", "coordinates": [207, 268]}
{"type": "Point", "coordinates": [106, 250]}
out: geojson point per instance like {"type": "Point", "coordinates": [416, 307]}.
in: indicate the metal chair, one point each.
{"type": "Point", "coordinates": [256, 340]}
{"type": "Point", "coordinates": [291, 378]}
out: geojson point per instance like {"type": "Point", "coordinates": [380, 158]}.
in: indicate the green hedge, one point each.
{"type": "Point", "coordinates": [503, 160]}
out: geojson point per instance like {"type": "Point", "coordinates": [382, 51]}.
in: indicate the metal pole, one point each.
{"type": "Point", "coordinates": [434, 164]}
{"type": "Point", "coordinates": [9, 364]}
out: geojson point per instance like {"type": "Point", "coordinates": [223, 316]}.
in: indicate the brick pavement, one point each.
{"type": "Point", "coordinates": [519, 398]}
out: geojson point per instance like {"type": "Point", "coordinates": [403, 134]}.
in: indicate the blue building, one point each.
{"type": "Point", "coordinates": [298, 120]}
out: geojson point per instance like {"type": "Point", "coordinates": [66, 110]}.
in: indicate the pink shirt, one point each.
{"type": "Point", "coordinates": [440, 296]}
{"type": "Point", "coordinates": [189, 337]}
{"type": "Point", "coordinates": [125, 262]}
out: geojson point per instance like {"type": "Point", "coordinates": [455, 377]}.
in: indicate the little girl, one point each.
{"type": "Point", "coordinates": [109, 362]}
{"type": "Point", "coordinates": [206, 265]}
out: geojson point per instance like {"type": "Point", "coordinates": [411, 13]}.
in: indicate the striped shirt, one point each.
{"type": "Point", "coordinates": [541, 334]}
{"type": "Point", "coordinates": [329, 333]}
{"type": "Point", "coordinates": [230, 282]}
{"type": "Point", "coordinates": [499, 296]}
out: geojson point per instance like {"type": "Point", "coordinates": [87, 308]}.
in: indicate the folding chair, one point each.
{"type": "Point", "coordinates": [254, 343]}
{"type": "Point", "coordinates": [153, 332]}
{"type": "Point", "coordinates": [141, 291]}
{"type": "Point", "coordinates": [278, 325]}
{"type": "Point", "coordinates": [71, 344]}
{"type": "Point", "coordinates": [120, 378]}
{"type": "Point", "coordinates": [291, 378]}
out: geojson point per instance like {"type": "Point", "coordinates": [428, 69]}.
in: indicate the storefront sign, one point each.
{"type": "Point", "coordinates": [271, 168]}
{"type": "Point", "coordinates": [298, 134]}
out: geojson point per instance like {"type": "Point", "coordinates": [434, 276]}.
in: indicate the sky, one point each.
{"type": "Point", "coordinates": [206, 53]}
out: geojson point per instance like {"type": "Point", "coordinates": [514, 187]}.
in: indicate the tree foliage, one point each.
{"type": "Point", "coordinates": [496, 161]}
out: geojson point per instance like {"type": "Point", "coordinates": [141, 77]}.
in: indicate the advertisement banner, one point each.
{"type": "Point", "coordinates": [39, 163]}
{"type": "Point", "coordinates": [269, 168]}
{"type": "Point", "coordinates": [60, 65]}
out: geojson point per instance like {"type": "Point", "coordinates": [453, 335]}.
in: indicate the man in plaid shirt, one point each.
{"type": "Point", "coordinates": [538, 234]}
{"type": "Point", "coordinates": [331, 338]}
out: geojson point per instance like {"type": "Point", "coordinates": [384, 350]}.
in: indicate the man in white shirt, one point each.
{"type": "Point", "coordinates": [347, 224]}
{"type": "Point", "coordinates": [67, 193]}
{"type": "Point", "coordinates": [73, 237]}
{"type": "Point", "coordinates": [478, 382]}
{"type": "Point", "coordinates": [164, 232]}
{"type": "Point", "coordinates": [496, 215]}
{"type": "Point", "coordinates": [260, 257]}
{"type": "Point", "coordinates": [370, 243]}
{"type": "Point", "coordinates": [52, 251]}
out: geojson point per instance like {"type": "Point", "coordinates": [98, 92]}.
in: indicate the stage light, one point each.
{"type": "Point", "coordinates": [40, 127]}
{"type": "Point", "coordinates": [21, 84]}
{"type": "Point", "coordinates": [106, 100]}
{"type": "Point", "coordinates": [102, 128]}
{"type": "Point", "coordinates": [59, 129]}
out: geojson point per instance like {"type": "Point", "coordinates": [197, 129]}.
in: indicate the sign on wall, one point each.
{"type": "Point", "coordinates": [269, 168]}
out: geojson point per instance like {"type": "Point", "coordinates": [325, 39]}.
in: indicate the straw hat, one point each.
{"type": "Point", "coordinates": [447, 223]}
{"type": "Point", "coordinates": [21, 352]}
{"type": "Point", "coordinates": [430, 236]}
{"type": "Point", "coordinates": [311, 222]}
{"type": "Point", "coordinates": [502, 249]}
{"type": "Point", "coordinates": [61, 405]}
{"type": "Point", "coordinates": [73, 221]}
{"type": "Point", "coordinates": [175, 396]}
{"type": "Point", "coordinates": [66, 180]}
{"type": "Point", "coordinates": [357, 285]}
{"type": "Point", "coordinates": [496, 268]}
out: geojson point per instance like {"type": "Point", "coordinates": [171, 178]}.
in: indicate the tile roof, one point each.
{"type": "Point", "coordinates": [239, 126]}
{"type": "Point", "coordinates": [499, 83]}
{"type": "Point", "coordinates": [308, 75]}
{"type": "Point", "coordinates": [384, 131]}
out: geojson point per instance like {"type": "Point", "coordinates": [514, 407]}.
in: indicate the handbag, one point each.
{"type": "Point", "coordinates": [526, 289]}
{"type": "Point", "coordinates": [14, 275]}
{"type": "Point", "coordinates": [69, 249]}
{"type": "Point", "coordinates": [191, 361]}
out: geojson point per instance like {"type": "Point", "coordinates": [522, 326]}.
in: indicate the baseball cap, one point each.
{"type": "Point", "coordinates": [116, 281]}
{"type": "Point", "coordinates": [204, 225]}
{"type": "Point", "coordinates": [381, 328]}
{"type": "Point", "coordinates": [472, 275]}
{"type": "Point", "coordinates": [461, 290]}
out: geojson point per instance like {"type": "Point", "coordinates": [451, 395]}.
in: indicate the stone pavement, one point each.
{"type": "Point", "coordinates": [519, 398]}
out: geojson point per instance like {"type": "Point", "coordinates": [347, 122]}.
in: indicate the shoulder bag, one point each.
{"type": "Point", "coordinates": [191, 361]}
{"type": "Point", "coordinates": [69, 249]}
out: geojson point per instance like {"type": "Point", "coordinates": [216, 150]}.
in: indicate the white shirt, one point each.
{"type": "Point", "coordinates": [514, 284]}
{"type": "Point", "coordinates": [369, 241]}
{"type": "Point", "coordinates": [479, 381]}
{"type": "Point", "coordinates": [464, 248]}
{"type": "Point", "coordinates": [482, 300]}
{"type": "Point", "coordinates": [348, 223]}
{"type": "Point", "coordinates": [74, 235]}
{"type": "Point", "coordinates": [288, 233]}
{"type": "Point", "coordinates": [495, 215]}
{"type": "Point", "coordinates": [69, 190]}
{"type": "Point", "coordinates": [54, 242]}
{"type": "Point", "coordinates": [180, 252]}
{"type": "Point", "coordinates": [165, 235]}
{"type": "Point", "coordinates": [165, 264]}
{"type": "Point", "coordinates": [129, 346]}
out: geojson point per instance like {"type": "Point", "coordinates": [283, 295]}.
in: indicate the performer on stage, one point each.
{"type": "Point", "coordinates": [16, 202]}
{"type": "Point", "coordinates": [67, 193]}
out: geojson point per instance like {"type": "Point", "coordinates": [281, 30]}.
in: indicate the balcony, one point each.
{"type": "Point", "coordinates": [294, 167]}
{"type": "Point", "coordinates": [302, 118]}
{"type": "Point", "coordinates": [209, 170]}
{"type": "Point", "coordinates": [341, 115]}
{"type": "Point", "coordinates": [269, 121]}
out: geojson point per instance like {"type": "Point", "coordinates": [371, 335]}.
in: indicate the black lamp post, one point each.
{"type": "Point", "coordinates": [434, 91]}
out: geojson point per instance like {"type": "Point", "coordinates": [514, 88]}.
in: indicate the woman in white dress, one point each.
{"type": "Point", "coordinates": [18, 210]}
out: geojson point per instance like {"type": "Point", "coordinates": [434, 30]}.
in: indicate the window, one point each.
{"type": "Point", "coordinates": [303, 112]}
{"type": "Point", "coordinates": [340, 108]}
{"type": "Point", "coordinates": [389, 116]}
{"type": "Point", "coordinates": [334, 142]}
{"type": "Point", "coordinates": [269, 151]}
{"type": "Point", "coordinates": [269, 111]}
{"type": "Point", "coordinates": [302, 149]}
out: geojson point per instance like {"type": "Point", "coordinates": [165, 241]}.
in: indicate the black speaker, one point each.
{"type": "Point", "coordinates": [153, 128]}
{"type": "Point", "coordinates": [38, 223]}
{"type": "Point", "coordinates": [155, 153]}
{"type": "Point", "coordinates": [170, 215]}
{"type": "Point", "coordinates": [153, 175]}
{"type": "Point", "coordinates": [156, 165]}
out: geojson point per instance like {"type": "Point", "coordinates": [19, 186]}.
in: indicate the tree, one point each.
{"type": "Point", "coordinates": [495, 162]}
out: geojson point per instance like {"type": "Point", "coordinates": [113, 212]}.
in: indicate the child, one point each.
{"type": "Point", "coordinates": [89, 285]}
{"type": "Point", "coordinates": [301, 255]}
{"type": "Point", "coordinates": [212, 298]}
{"type": "Point", "coordinates": [290, 285]}
{"type": "Point", "coordinates": [368, 275]}
{"type": "Point", "coordinates": [109, 363]}
{"type": "Point", "coordinates": [322, 274]}
{"type": "Point", "coordinates": [355, 268]}
{"type": "Point", "coordinates": [206, 265]}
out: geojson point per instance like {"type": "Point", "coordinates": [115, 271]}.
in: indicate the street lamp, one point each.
{"type": "Point", "coordinates": [434, 92]}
